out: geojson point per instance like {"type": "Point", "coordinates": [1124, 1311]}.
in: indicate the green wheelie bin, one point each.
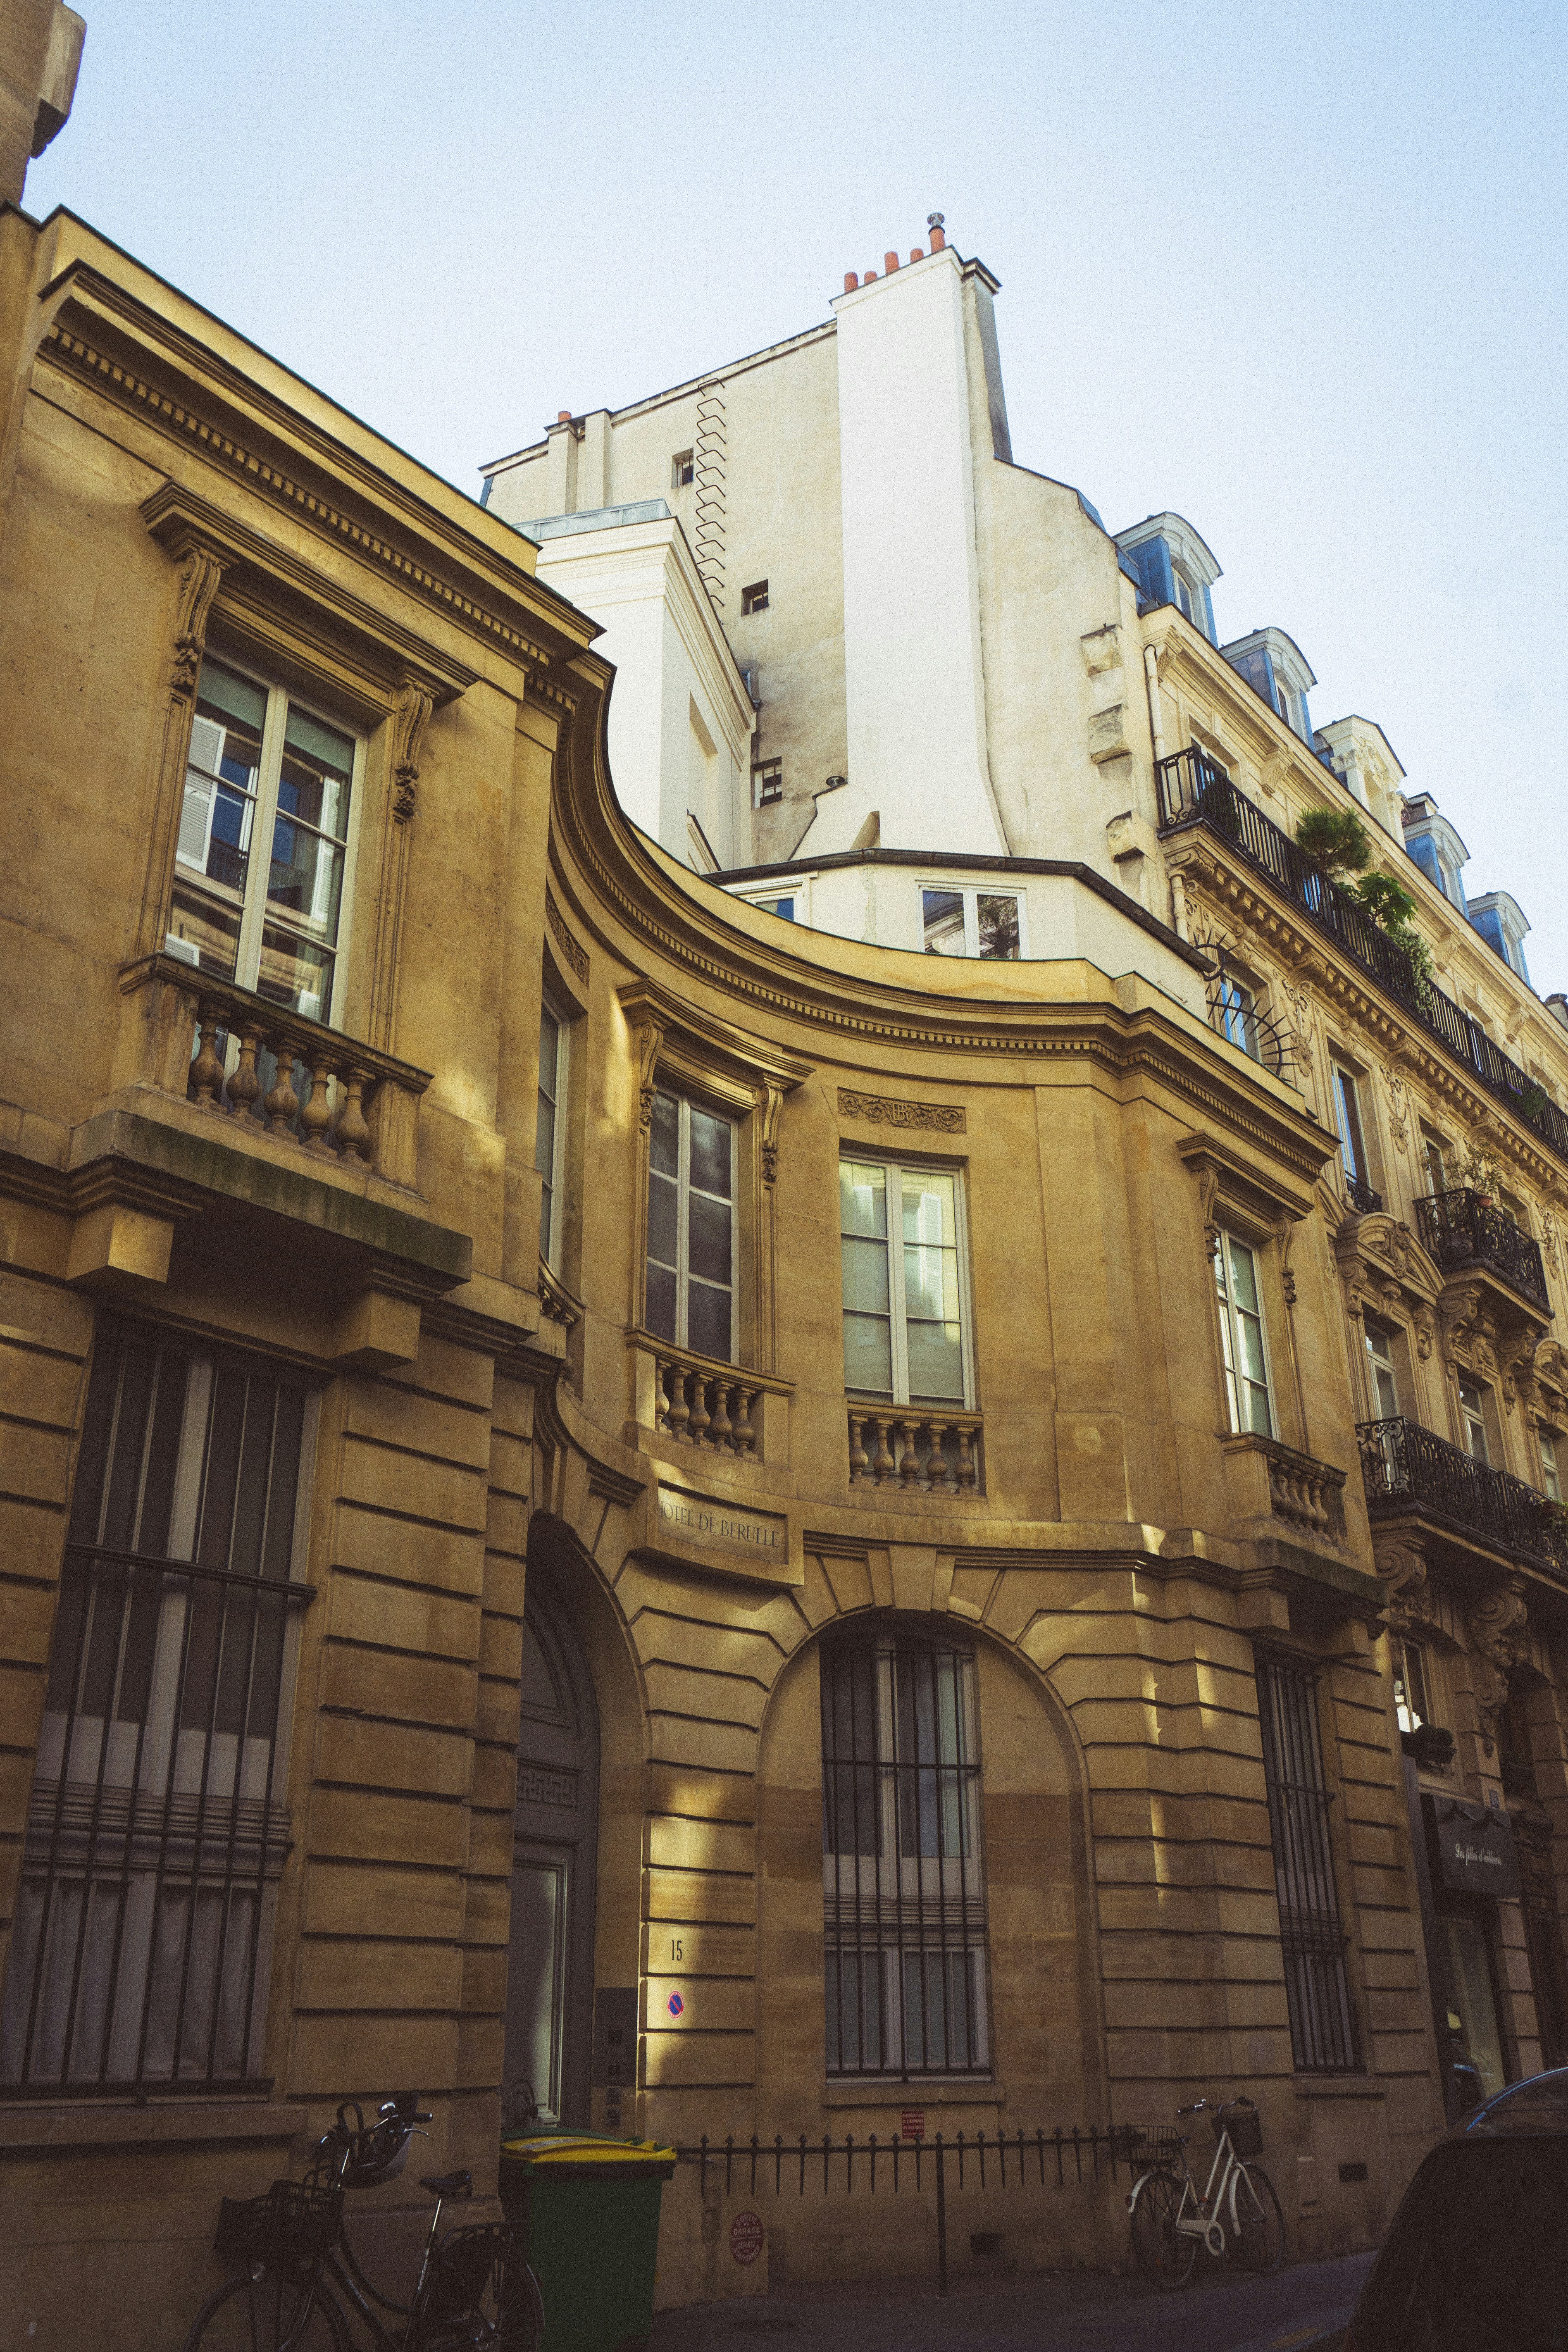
{"type": "Point", "coordinates": [589, 2209]}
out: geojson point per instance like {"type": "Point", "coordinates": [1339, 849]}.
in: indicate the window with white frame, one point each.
{"type": "Point", "coordinates": [264, 856]}
{"type": "Point", "coordinates": [683, 470]}
{"type": "Point", "coordinates": [1381, 1377]}
{"type": "Point", "coordinates": [1412, 1686]}
{"type": "Point", "coordinates": [903, 1884]}
{"type": "Point", "coordinates": [905, 1325]}
{"type": "Point", "coordinates": [1473, 1421]}
{"type": "Point", "coordinates": [691, 1227]}
{"type": "Point", "coordinates": [972, 922]}
{"type": "Point", "coordinates": [1235, 1014]}
{"type": "Point", "coordinates": [1351, 1134]}
{"type": "Point", "coordinates": [1551, 1474]}
{"type": "Point", "coordinates": [158, 1822]}
{"type": "Point", "coordinates": [1242, 1344]}
{"type": "Point", "coordinates": [550, 1137]}
{"type": "Point", "coordinates": [783, 908]}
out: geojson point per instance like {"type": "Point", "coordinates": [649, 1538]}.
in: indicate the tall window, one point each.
{"type": "Point", "coordinates": [904, 1335]}
{"type": "Point", "coordinates": [1236, 1009]}
{"type": "Point", "coordinates": [158, 1825]}
{"type": "Point", "coordinates": [1435, 1162]}
{"type": "Point", "coordinates": [550, 1136]}
{"type": "Point", "coordinates": [691, 1227]}
{"type": "Point", "coordinates": [1242, 1345]}
{"type": "Point", "coordinates": [262, 860]}
{"type": "Point", "coordinates": [1551, 1474]}
{"type": "Point", "coordinates": [1353, 1139]}
{"type": "Point", "coordinates": [972, 923]}
{"type": "Point", "coordinates": [903, 1888]}
{"type": "Point", "coordinates": [1381, 1377]}
{"type": "Point", "coordinates": [1317, 1988]}
{"type": "Point", "coordinates": [1412, 1686]}
{"type": "Point", "coordinates": [1473, 1419]}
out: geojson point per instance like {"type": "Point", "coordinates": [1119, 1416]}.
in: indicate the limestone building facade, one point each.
{"type": "Point", "coordinates": [707, 1522]}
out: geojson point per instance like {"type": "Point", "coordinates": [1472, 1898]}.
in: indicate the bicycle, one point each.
{"type": "Point", "coordinates": [1171, 2218]}
{"type": "Point", "coordinates": [474, 2292]}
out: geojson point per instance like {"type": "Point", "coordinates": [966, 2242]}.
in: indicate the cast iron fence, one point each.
{"type": "Point", "coordinates": [1042, 2159]}
{"type": "Point", "coordinates": [1459, 1228]}
{"type": "Point", "coordinates": [1404, 1467]}
{"type": "Point", "coordinates": [1363, 1196]}
{"type": "Point", "coordinates": [1196, 790]}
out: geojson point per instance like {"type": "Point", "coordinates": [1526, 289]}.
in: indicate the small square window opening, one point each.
{"type": "Point", "coordinates": [767, 782]}
{"type": "Point", "coordinates": [754, 599]}
{"type": "Point", "coordinates": [683, 470]}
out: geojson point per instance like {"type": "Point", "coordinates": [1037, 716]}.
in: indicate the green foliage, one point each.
{"type": "Point", "coordinates": [1337, 843]}
{"type": "Point", "coordinates": [1388, 902]}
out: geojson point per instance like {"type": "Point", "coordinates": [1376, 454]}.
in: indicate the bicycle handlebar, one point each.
{"type": "Point", "coordinates": [363, 2155]}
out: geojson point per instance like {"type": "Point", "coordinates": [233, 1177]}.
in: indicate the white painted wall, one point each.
{"type": "Point", "coordinates": [913, 670]}
{"type": "Point", "coordinates": [680, 720]}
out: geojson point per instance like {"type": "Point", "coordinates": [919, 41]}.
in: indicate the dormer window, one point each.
{"type": "Point", "coordinates": [1172, 566]}
{"type": "Point", "coordinates": [1276, 668]}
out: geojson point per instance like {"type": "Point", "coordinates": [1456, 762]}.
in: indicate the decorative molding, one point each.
{"type": "Point", "coordinates": [556, 1302]}
{"type": "Point", "coordinates": [548, 1784]}
{"type": "Point", "coordinates": [1500, 1640]}
{"type": "Point", "coordinates": [889, 1110]}
{"type": "Point", "coordinates": [649, 1035]}
{"type": "Point", "coordinates": [572, 954]}
{"type": "Point", "coordinates": [412, 704]}
{"type": "Point", "coordinates": [1398, 1105]}
{"type": "Point", "coordinates": [201, 573]}
{"type": "Point", "coordinates": [1401, 1565]}
{"type": "Point", "coordinates": [1284, 1234]}
{"type": "Point", "coordinates": [772, 1109]}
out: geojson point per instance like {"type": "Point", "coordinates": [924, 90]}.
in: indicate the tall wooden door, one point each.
{"type": "Point", "coordinates": [550, 1973]}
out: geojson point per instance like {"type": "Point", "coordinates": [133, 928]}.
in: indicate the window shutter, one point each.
{"type": "Point", "coordinates": [197, 814]}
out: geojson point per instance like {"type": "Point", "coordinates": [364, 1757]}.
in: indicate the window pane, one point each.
{"type": "Point", "coordinates": [663, 1136]}
{"type": "Point", "coordinates": [708, 1322]}
{"type": "Point", "coordinates": [662, 1301]}
{"type": "Point", "coordinates": [708, 1238]}
{"type": "Point", "coordinates": [305, 877]}
{"type": "Point", "coordinates": [865, 1274]}
{"type": "Point", "coordinates": [928, 1209]}
{"type": "Point", "coordinates": [998, 925]}
{"type": "Point", "coordinates": [711, 1141]}
{"type": "Point", "coordinates": [943, 915]}
{"type": "Point", "coordinates": [544, 1138]}
{"type": "Point", "coordinates": [663, 1224]}
{"type": "Point", "coordinates": [862, 1197]}
{"type": "Point", "coordinates": [1250, 1332]}
{"type": "Point", "coordinates": [295, 973]}
{"type": "Point", "coordinates": [936, 1362]}
{"type": "Point", "coordinates": [206, 927]}
{"type": "Point", "coordinates": [317, 768]}
{"type": "Point", "coordinates": [868, 1355]}
{"type": "Point", "coordinates": [549, 1047]}
{"type": "Point", "coordinates": [1243, 1276]}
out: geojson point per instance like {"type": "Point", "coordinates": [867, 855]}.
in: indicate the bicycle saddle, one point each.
{"type": "Point", "coordinates": [448, 2184]}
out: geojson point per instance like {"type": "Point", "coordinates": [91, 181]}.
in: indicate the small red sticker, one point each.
{"type": "Point", "coordinates": [746, 2237]}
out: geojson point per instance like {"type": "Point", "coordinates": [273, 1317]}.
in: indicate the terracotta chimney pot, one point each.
{"type": "Point", "coordinates": [889, 263]}
{"type": "Point", "coordinates": [870, 279]}
{"type": "Point", "coordinates": [563, 416]}
{"type": "Point", "coordinates": [916, 253]}
{"type": "Point", "coordinates": [938, 242]}
{"type": "Point", "coordinates": [850, 281]}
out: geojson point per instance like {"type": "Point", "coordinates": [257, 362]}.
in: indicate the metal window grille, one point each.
{"type": "Point", "coordinates": [903, 1888]}
{"type": "Point", "coordinates": [157, 1826]}
{"type": "Point", "coordinates": [1317, 1988]}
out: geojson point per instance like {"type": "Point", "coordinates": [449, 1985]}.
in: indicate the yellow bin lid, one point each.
{"type": "Point", "coordinates": [570, 2150]}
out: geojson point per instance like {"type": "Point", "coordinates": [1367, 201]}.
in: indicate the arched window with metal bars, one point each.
{"type": "Point", "coordinates": [903, 1875]}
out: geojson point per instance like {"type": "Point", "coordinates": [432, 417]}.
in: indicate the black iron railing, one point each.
{"type": "Point", "coordinates": [910, 2164]}
{"type": "Point", "coordinates": [1196, 790]}
{"type": "Point", "coordinates": [1313, 1940]}
{"type": "Point", "coordinates": [1363, 1196]}
{"type": "Point", "coordinates": [1404, 1467]}
{"type": "Point", "coordinates": [1459, 1228]}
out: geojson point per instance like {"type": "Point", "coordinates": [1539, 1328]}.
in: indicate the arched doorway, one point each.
{"type": "Point", "coordinates": [550, 1970]}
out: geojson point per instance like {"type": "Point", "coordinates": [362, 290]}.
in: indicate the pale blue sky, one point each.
{"type": "Point", "coordinates": [1295, 271]}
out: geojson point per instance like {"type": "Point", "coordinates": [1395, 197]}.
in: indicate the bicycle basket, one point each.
{"type": "Point", "coordinates": [291, 2222]}
{"type": "Point", "coordinates": [1244, 2126]}
{"type": "Point", "coordinates": [1140, 2145]}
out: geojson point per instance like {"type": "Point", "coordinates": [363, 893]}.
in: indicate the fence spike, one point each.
{"type": "Point", "coordinates": [778, 2163]}
{"type": "Point", "coordinates": [850, 2164]}
{"type": "Point", "coordinates": [803, 2164]}
{"type": "Point", "coordinates": [873, 2164]}
{"type": "Point", "coordinates": [827, 2152]}
{"type": "Point", "coordinates": [729, 2160]}
{"type": "Point", "coordinates": [754, 2164]}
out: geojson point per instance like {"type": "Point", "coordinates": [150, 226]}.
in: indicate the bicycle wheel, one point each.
{"type": "Point", "coordinates": [1165, 2260]}
{"type": "Point", "coordinates": [269, 2313]}
{"type": "Point", "coordinates": [479, 2293]}
{"type": "Point", "coordinates": [1259, 2223]}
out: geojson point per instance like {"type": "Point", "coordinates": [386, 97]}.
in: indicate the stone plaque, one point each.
{"type": "Point", "coordinates": [723, 1526]}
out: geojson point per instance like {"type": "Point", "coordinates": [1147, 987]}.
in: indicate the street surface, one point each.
{"type": "Point", "coordinates": [1305, 2308]}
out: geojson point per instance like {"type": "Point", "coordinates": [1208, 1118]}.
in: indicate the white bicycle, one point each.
{"type": "Point", "coordinates": [1236, 2209]}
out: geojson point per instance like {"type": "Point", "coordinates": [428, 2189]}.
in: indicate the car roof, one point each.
{"type": "Point", "coordinates": [1538, 2105]}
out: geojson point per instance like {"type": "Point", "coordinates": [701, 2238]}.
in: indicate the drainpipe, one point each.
{"type": "Point", "coordinates": [1152, 677]}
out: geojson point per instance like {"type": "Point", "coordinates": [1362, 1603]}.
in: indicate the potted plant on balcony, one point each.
{"type": "Point", "coordinates": [1337, 844]}
{"type": "Point", "coordinates": [1480, 1173]}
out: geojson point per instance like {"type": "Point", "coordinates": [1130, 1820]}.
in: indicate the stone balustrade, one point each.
{"type": "Point", "coordinates": [329, 1096]}
{"type": "Point", "coordinates": [924, 1453]}
{"type": "Point", "coordinates": [1271, 1483]}
{"type": "Point", "coordinates": [716, 1409]}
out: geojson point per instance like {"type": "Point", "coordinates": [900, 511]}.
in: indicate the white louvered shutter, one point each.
{"type": "Point", "coordinates": [196, 813]}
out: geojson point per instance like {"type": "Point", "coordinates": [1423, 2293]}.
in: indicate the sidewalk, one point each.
{"type": "Point", "coordinates": [1306, 2307]}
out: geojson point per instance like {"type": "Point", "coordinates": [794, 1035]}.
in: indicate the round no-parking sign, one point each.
{"type": "Point", "coordinates": [746, 2237]}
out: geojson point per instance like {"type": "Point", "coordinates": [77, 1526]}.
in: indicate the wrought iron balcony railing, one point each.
{"type": "Point", "coordinates": [1363, 1196]}
{"type": "Point", "coordinates": [1460, 1228]}
{"type": "Point", "coordinates": [1195, 790]}
{"type": "Point", "coordinates": [1404, 1467]}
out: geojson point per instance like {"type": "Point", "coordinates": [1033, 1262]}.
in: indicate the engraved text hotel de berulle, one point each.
{"type": "Point", "coordinates": [711, 1523]}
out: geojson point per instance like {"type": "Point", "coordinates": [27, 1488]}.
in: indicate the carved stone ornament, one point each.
{"type": "Point", "coordinates": [1209, 1193]}
{"type": "Point", "coordinates": [572, 954]}
{"type": "Point", "coordinates": [1500, 1640]}
{"type": "Point", "coordinates": [411, 707]}
{"type": "Point", "coordinates": [888, 1110]}
{"type": "Point", "coordinates": [1549, 1240]}
{"type": "Point", "coordinates": [1517, 1364]}
{"type": "Point", "coordinates": [773, 1105]}
{"type": "Point", "coordinates": [1398, 1106]}
{"type": "Point", "coordinates": [649, 1037]}
{"type": "Point", "coordinates": [1284, 1231]}
{"type": "Point", "coordinates": [1400, 1566]}
{"type": "Point", "coordinates": [200, 575]}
